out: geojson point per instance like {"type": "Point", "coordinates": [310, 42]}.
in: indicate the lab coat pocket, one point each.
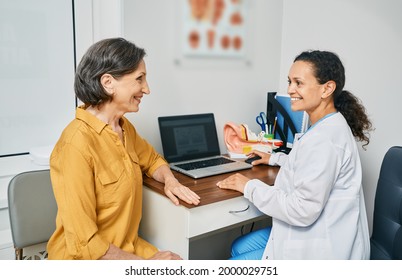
{"type": "Point", "coordinates": [307, 249]}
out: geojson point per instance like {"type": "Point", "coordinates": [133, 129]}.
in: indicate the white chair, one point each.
{"type": "Point", "coordinates": [32, 209]}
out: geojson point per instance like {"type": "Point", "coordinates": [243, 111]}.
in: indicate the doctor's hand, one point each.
{"type": "Point", "coordinates": [264, 157]}
{"type": "Point", "coordinates": [235, 182]}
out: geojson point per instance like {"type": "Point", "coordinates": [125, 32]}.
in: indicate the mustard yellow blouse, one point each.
{"type": "Point", "coordinates": [97, 182]}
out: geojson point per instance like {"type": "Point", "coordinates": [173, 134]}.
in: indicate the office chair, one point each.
{"type": "Point", "coordinates": [386, 239]}
{"type": "Point", "coordinates": [32, 210]}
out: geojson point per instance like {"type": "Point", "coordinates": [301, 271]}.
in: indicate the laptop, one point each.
{"type": "Point", "coordinates": [190, 146]}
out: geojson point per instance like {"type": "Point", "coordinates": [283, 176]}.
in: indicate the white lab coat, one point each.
{"type": "Point", "coordinates": [316, 204]}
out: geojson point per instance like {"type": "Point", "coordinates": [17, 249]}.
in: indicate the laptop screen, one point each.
{"type": "Point", "coordinates": [188, 137]}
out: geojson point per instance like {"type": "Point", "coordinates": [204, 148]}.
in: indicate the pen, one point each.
{"type": "Point", "coordinates": [273, 130]}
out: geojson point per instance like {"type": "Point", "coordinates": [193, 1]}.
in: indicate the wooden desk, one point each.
{"type": "Point", "coordinates": [173, 228]}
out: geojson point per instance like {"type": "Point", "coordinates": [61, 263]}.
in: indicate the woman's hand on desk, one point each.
{"type": "Point", "coordinates": [173, 188]}
{"type": "Point", "coordinates": [235, 182]}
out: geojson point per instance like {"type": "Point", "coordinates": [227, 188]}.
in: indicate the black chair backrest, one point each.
{"type": "Point", "coordinates": [386, 239]}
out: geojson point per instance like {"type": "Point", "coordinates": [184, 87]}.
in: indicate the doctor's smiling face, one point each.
{"type": "Point", "coordinates": [304, 89]}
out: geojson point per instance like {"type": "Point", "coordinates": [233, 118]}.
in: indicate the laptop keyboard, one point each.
{"type": "Point", "coordinates": [204, 163]}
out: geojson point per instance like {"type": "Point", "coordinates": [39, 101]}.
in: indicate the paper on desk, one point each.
{"type": "Point", "coordinates": [237, 155]}
{"type": "Point", "coordinates": [262, 148]}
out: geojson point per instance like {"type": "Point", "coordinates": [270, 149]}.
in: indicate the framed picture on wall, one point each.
{"type": "Point", "coordinates": [213, 28]}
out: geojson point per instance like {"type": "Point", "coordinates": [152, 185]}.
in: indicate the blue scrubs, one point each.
{"type": "Point", "coordinates": [250, 246]}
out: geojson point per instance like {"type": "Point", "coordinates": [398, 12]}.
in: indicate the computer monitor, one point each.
{"type": "Point", "coordinates": [288, 122]}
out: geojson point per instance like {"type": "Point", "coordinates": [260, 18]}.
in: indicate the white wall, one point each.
{"type": "Point", "coordinates": [231, 89]}
{"type": "Point", "coordinates": [96, 20]}
{"type": "Point", "coordinates": [36, 69]}
{"type": "Point", "coordinates": [367, 35]}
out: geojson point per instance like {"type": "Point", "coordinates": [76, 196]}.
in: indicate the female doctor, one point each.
{"type": "Point", "coordinates": [316, 204]}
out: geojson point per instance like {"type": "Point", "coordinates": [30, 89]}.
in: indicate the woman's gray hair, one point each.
{"type": "Point", "coordinates": [114, 56]}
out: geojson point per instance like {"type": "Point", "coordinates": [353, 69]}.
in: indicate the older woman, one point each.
{"type": "Point", "coordinates": [98, 163]}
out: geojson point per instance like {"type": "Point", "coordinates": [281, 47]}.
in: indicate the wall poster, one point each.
{"type": "Point", "coordinates": [214, 28]}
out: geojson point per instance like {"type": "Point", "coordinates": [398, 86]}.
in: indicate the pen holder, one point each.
{"type": "Point", "coordinates": [268, 136]}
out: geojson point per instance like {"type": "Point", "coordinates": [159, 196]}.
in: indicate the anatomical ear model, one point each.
{"type": "Point", "coordinates": [240, 139]}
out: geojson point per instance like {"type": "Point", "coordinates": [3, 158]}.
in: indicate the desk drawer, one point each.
{"type": "Point", "coordinates": [218, 215]}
